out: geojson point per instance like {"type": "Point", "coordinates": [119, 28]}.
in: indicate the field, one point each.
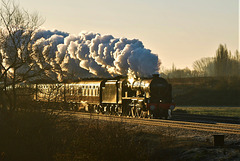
{"type": "Point", "coordinates": [206, 92]}
{"type": "Point", "coordinates": [214, 111]}
{"type": "Point", "coordinates": [36, 135]}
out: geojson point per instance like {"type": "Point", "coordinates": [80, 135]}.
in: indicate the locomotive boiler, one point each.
{"type": "Point", "coordinates": [150, 97]}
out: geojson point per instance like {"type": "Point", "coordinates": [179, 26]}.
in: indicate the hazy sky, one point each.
{"type": "Point", "coordinates": [179, 31]}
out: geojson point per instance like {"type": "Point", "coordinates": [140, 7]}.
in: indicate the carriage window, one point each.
{"type": "Point", "coordinates": [97, 91]}
{"type": "Point", "coordinates": [71, 90]}
{"type": "Point", "coordinates": [79, 91]}
{"type": "Point", "coordinates": [89, 92]}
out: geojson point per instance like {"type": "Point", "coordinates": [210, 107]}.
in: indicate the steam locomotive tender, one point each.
{"type": "Point", "coordinates": [139, 98]}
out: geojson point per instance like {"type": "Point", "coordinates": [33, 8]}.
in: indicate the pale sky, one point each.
{"type": "Point", "coordinates": [179, 31]}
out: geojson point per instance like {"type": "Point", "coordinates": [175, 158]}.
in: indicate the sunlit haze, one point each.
{"type": "Point", "coordinates": [180, 32]}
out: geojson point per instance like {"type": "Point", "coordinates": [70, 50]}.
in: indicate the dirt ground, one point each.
{"type": "Point", "coordinates": [193, 145]}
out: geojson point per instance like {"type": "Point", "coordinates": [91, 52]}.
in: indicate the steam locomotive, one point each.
{"type": "Point", "coordinates": [150, 97]}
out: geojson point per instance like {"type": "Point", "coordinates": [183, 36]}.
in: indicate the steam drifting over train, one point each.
{"type": "Point", "coordinates": [91, 55]}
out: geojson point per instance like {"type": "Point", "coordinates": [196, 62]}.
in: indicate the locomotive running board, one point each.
{"type": "Point", "coordinates": [132, 98]}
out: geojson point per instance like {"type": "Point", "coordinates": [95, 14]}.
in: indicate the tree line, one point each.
{"type": "Point", "coordinates": [18, 59]}
{"type": "Point", "coordinates": [223, 64]}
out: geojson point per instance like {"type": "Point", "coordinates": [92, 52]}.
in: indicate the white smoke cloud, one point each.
{"type": "Point", "coordinates": [71, 57]}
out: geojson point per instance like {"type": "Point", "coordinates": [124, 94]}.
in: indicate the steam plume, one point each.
{"type": "Point", "coordinates": [92, 55]}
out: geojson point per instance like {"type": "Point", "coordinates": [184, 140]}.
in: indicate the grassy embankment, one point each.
{"type": "Point", "coordinates": [206, 91]}
{"type": "Point", "coordinates": [35, 135]}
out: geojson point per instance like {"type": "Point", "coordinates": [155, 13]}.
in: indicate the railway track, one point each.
{"type": "Point", "coordinates": [205, 118]}
{"type": "Point", "coordinates": [219, 128]}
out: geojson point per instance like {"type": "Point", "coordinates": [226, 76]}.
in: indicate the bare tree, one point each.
{"type": "Point", "coordinates": [204, 67]}
{"type": "Point", "coordinates": [17, 60]}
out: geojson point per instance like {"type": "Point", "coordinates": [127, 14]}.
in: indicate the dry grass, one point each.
{"type": "Point", "coordinates": [31, 134]}
{"type": "Point", "coordinates": [35, 135]}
